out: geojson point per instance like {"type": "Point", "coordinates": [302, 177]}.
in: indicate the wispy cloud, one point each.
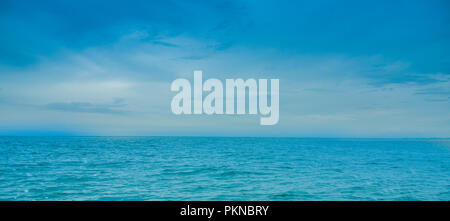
{"type": "Point", "coordinates": [87, 107]}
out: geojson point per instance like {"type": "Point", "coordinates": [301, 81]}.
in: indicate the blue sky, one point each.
{"type": "Point", "coordinates": [346, 68]}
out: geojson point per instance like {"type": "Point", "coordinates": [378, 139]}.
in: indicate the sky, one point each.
{"type": "Point", "coordinates": [346, 68]}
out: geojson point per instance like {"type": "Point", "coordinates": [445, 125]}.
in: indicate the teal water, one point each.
{"type": "Point", "coordinates": [208, 168]}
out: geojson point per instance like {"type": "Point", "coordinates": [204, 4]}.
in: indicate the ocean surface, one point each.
{"type": "Point", "coordinates": [213, 168]}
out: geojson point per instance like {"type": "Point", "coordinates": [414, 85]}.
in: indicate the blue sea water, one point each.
{"type": "Point", "coordinates": [214, 168]}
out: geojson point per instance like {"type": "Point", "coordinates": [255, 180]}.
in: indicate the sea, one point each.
{"type": "Point", "coordinates": [223, 168]}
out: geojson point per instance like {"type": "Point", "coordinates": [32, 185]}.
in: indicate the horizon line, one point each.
{"type": "Point", "coordinates": [226, 136]}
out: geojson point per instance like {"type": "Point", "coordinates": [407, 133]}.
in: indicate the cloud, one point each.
{"type": "Point", "coordinates": [328, 95]}
{"type": "Point", "coordinates": [167, 44]}
{"type": "Point", "coordinates": [87, 107]}
{"type": "Point", "coordinates": [31, 31]}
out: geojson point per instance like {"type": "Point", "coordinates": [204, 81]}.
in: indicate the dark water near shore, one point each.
{"type": "Point", "coordinates": [208, 168]}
